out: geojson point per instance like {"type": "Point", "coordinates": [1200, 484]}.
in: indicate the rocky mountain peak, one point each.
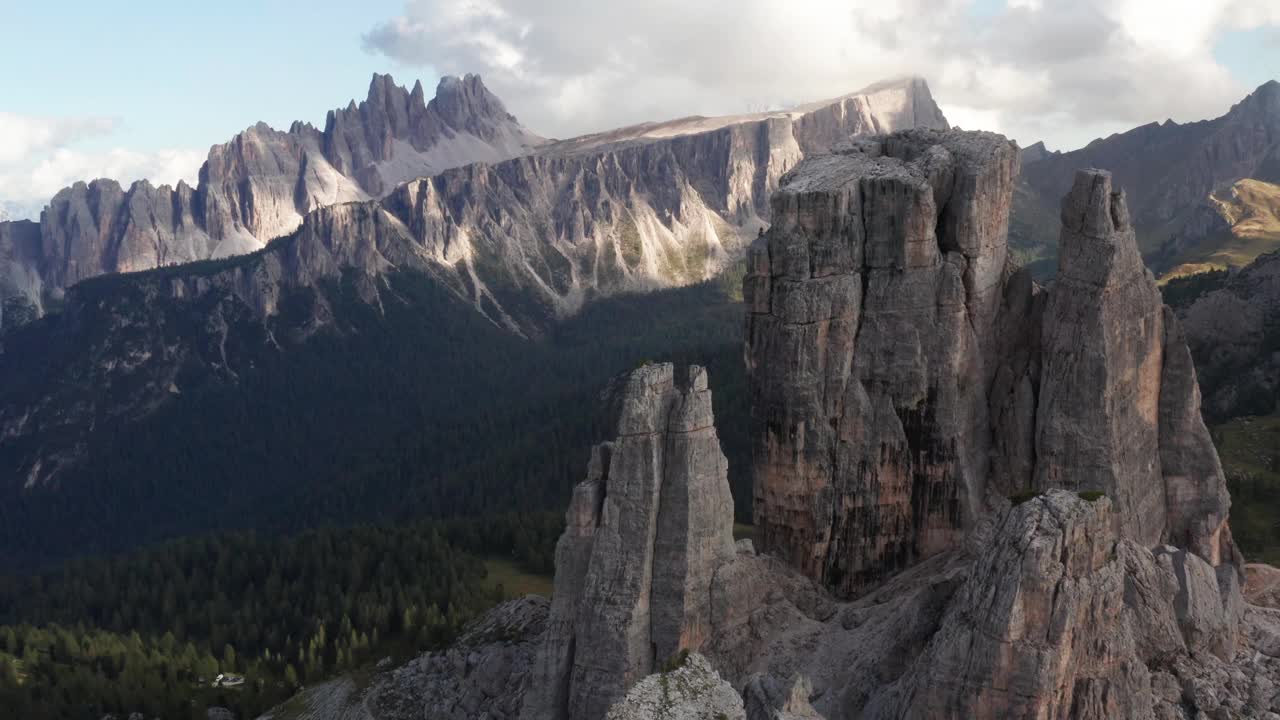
{"type": "Point", "coordinates": [1265, 98]}
{"type": "Point", "coordinates": [1098, 243]}
{"type": "Point", "coordinates": [466, 104]}
{"type": "Point", "coordinates": [645, 534]}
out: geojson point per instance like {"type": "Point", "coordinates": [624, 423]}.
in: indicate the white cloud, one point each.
{"type": "Point", "coordinates": [24, 135]}
{"type": "Point", "coordinates": [39, 156]}
{"type": "Point", "coordinates": [1061, 70]}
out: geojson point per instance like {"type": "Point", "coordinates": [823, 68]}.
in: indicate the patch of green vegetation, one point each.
{"type": "Point", "coordinates": [1180, 292]}
{"type": "Point", "coordinates": [745, 531]}
{"type": "Point", "coordinates": [1249, 448]}
{"type": "Point", "coordinates": [696, 253]}
{"type": "Point", "coordinates": [1091, 495]}
{"type": "Point", "coordinates": [514, 580]}
{"type": "Point", "coordinates": [1024, 495]}
{"type": "Point", "coordinates": [731, 280]}
{"type": "Point", "coordinates": [675, 662]}
{"type": "Point", "coordinates": [629, 242]}
{"type": "Point", "coordinates": [1252, 210]}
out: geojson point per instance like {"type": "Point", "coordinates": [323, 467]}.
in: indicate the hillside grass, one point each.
{"type": "Point", "coordinates": [515, 580]}
{"type": "Point", "coordinates": [1252, 209]}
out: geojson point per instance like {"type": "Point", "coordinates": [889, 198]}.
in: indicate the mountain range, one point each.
{"type": "Point", "coordinates": [973, 495]}
{"type": "Point", "coordinates": [647, 206]}
{"type": "Point", "coordinates": [521, 245]}
{"type": "Point", "coordinates": [255, 188]}
{"type": "Point", "coordinates": [1204, 194]}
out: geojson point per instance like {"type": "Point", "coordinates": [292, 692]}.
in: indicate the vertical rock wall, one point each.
{"type": "Point", "coordinates": [902, 376]}
{"type": "Point", "coordinates": [645, 533]}
{"type": "Point", "coordinates": [872, 309]}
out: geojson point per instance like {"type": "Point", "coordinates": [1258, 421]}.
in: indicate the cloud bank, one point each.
{"type": "Point", "coordinates": [41, 155]}
{"type": "Point", "coordinates": [1060, 70]}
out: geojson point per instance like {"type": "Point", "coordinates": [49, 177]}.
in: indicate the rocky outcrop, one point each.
{"type": "Point", "coordinates": [901, 373]}
{"type": "Point", "coordinates": [1061, 617]}
{"type": "Point", "coordinates": [482, 675]}
{"type": "Point", "coordinates": [766, 698]}
{"type": "Point", "coordinates": [393, 136]}
{"type": "Point", "coordinates": [21, 287]}
{"type": "Point", "coordinates": [693, 691]}
{"type": "Point", "coordinates": [645, 534]}
{"type": "Point", "coordinates": [259, 185]}
{"type": "Point", "coordinates": [1048, 607]}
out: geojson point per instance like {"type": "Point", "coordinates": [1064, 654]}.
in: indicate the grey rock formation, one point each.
{"type": "Point", "coordinates": [1059, 618]}
{"type": "Point", "coordinates": [1097, 424]}
{"type": "Point", "coordinates": [693, 691]}
{"type": "Point", "coordinates": [870, 342]}
{"type": "Point", "coordinates": [21, 287]}
{"type": "Point", "coordinates": [1049, 608]}
{"type": "Point", "coordinates": [902, 374]}
{"type": "Point", "coordinates": [259, 185]}
{"type": "Point", "coordinates": [1118, 407]}
{"type": "Point", "coordinates": [766, 698]}
{"type": "Point", "coordinates": [645, 534]}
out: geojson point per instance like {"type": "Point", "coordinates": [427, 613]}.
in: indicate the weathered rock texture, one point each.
{"type": "Point", "coordinates": [870, 347]}
{"type": "Point", "coordinates": [482, 675]}
{"type": "Point", "coordinates": [646, 532]}
{"type": "Point", "coordinates": [1044, 609]}
{"type": "Point", "coordinates": [901, 373]}
{"type": "Point", "coordinates": [259, 186]}
{"type": "Point", "coordinates": [693, 691]}
{"type": "Point", "coordinates": [1060, 618]}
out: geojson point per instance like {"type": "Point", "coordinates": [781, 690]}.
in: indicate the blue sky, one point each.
{"type": "Point", "coordinates": [177, 74]}
{"type": "Point", "coordinates": [143, 88]}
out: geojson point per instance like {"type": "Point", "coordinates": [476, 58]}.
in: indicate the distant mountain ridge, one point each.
{"type": "Point", "coordinates": [256, 187]}
{"type": "Point", "coordinates": [1172, 173]}
{"type": "Point", "coordinates": [525, 242]}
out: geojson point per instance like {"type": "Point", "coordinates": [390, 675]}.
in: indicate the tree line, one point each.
{"type": "Point", "coordinates": [150, 631]}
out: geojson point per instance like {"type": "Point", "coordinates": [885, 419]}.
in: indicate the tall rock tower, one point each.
{"type": "Point", "coordinates": [872, 308]}
{"type": "Point", "coordinates": [645, 533]}
{"type": "Point", "coordinates": [903, 377]}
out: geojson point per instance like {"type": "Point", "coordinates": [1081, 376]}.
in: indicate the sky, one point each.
{"type": "Point", "coordinates": [143, 89]}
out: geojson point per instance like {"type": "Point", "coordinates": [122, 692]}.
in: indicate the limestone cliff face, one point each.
{"type": "Point", "coordinates": [648, 206]}
{"type": "Point", "coordinates": [901, 374]}
{"type": "Point", "coordinates": [1060, 617]}
{"type": "Point", "coordinates": [1118, 404]}
{"type": "Point", "coordinates": [645, 533]}
{"type": "Point", "coordinates": [870, 340]}
{"type": "Point", "coordinates": [259, 185]}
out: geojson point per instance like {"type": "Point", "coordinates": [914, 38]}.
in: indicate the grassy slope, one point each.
{"type": "Point", "coordinates": [1252, 208]}
{"type": "Point", "coordinates": [515, 580]}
